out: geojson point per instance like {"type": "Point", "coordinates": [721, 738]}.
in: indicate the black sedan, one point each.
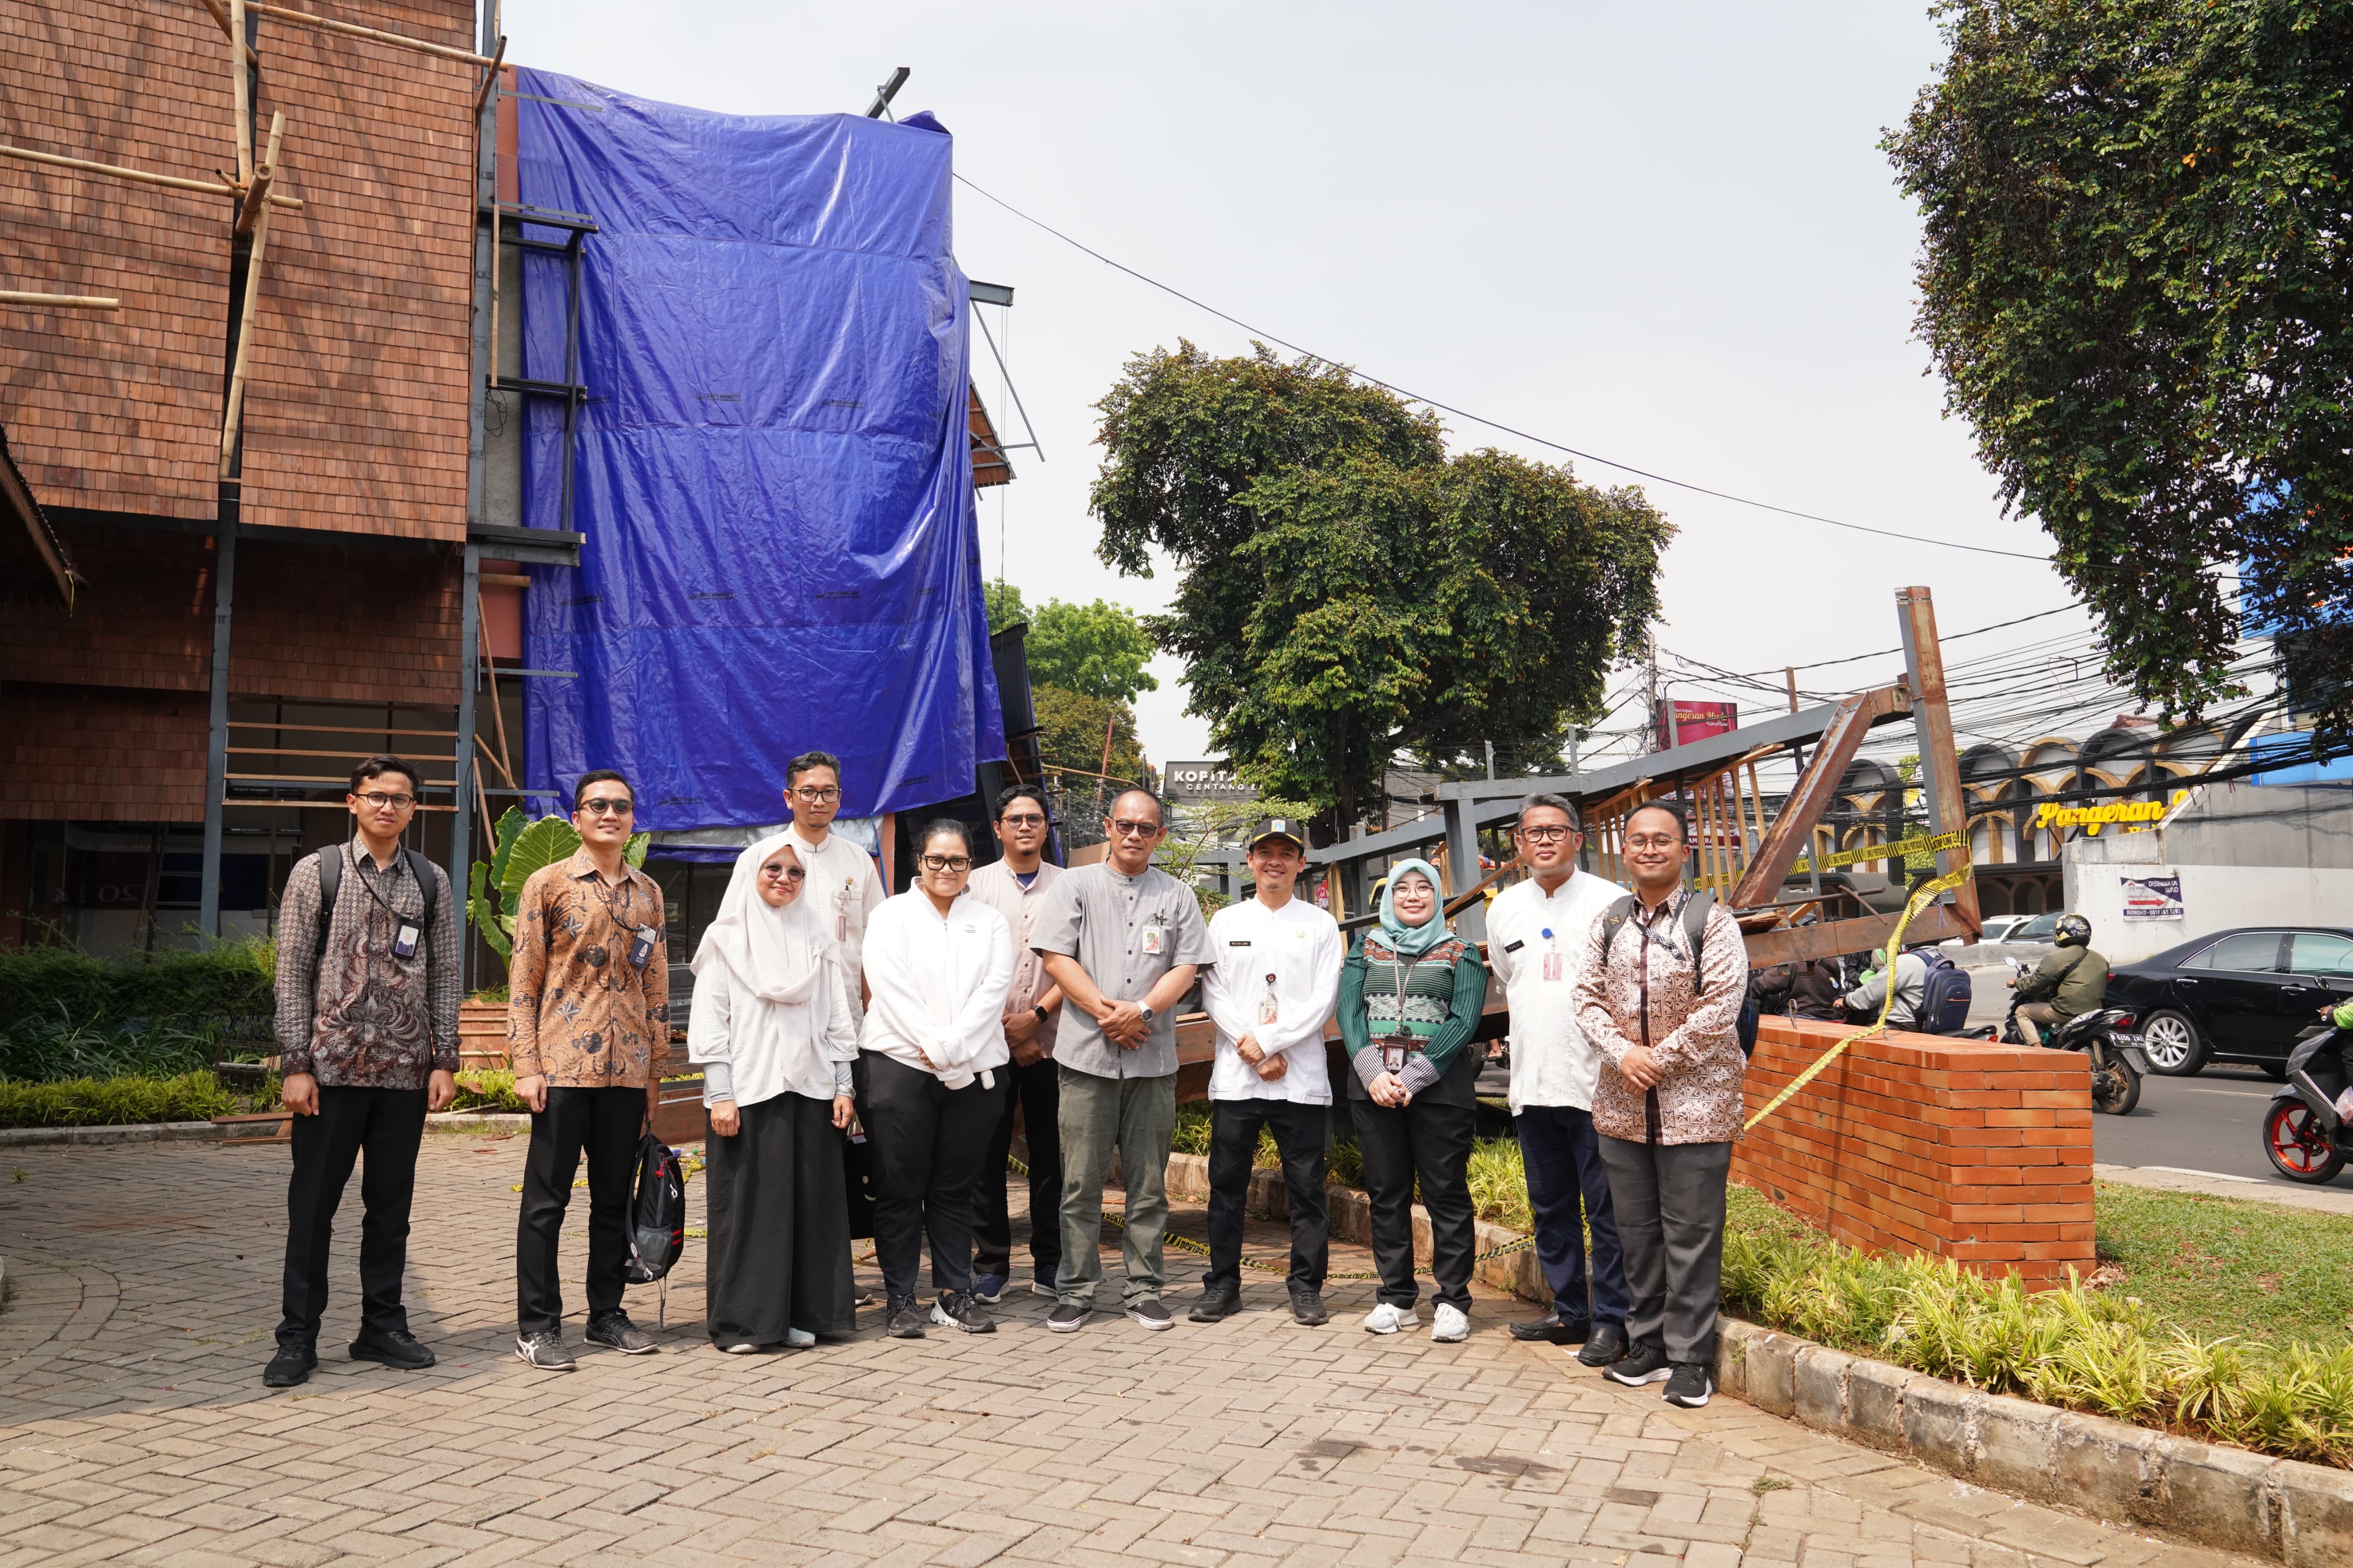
{"type": "Point", "coordinates": [2236, 995]}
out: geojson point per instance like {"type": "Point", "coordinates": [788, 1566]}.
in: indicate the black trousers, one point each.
{"type": "Point", "coordinates": [779, 1247]}
{"type": "Point", "coordinates": [1036, 1090]}
{"type": "Point", "coordinates": [1299, 1137]}
{"type": "Point", "coordinates": [928, 1142]}
{"type": "Point", "coordinates": [1431, 1142]}
{"type": "Point", "coordinates": [605, 1123]}
{"type": "Point", "coordinates": [1568, 1189]}
{"type": "Point", "coordinates": [389, 1124]}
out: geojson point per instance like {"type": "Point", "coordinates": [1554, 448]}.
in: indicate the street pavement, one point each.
{"type": "Point", "coordinates": [135, 1428]}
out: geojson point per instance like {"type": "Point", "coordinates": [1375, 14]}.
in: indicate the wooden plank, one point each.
{"type": "Point", "coordinates": [1817, 787]}
{"type": "Point", "coordinates": [314, 804]}
{"type": "Point", "coordinates": [1794, 944]}
{"type": "Point", "coordinates": [327, 729]}
{"type": "Point", "coordinates": [291, 751]}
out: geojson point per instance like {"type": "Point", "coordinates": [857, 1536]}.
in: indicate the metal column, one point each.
{"type": "Point", "coordinates": [1462, 865]}
{"type": "Point", "coordinates": [470, 636]}
{"type": "Point", "coordinates": [216, 742]}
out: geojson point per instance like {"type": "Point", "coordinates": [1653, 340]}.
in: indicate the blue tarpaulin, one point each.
{"type": "Point", "coordinates": [771, 468]}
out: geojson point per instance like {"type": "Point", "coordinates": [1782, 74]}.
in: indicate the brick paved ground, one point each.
{"type": "Point", "coordinates": [133, 1426]}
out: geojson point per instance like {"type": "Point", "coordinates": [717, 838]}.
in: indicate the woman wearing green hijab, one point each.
{"type": "Point", "coordinates": [1409, 999]}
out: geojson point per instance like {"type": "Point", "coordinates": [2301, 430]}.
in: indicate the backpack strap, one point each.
{"type": "Point", "coordinates": [422, 869]}
{"type": "Point", "coordinates": [1614, 917]}
{"type": "Point", "coordinates": [1696, 910]}
{"type": "Point", "coordinates": [331, 884]}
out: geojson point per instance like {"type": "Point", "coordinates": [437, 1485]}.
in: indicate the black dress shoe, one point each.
{"type": "Point", "coordinates": [1607, 1344]}
{"type": "Point", "coordinates": [1217, 1302]}
{"type": "Point", "coordinates": [1554, 1330]}
{"type": "Point", "coordinates": [291, 1365]}
{"type": "Point", "coordinates": [398, 1349]}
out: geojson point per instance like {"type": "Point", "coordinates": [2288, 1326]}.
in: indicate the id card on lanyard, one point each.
{"type": "Point", "coordinates": [1554, 964]}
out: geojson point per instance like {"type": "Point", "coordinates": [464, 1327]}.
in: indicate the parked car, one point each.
{"type": "Point", "coordinates": [2035, 928]}
{"type": "Point", "coordinates": [2238, 995]}
{"type": "Point", "coordinates": [1997, 928]}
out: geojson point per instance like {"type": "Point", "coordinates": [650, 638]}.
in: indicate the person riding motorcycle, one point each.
{"type": "Point", "coordinates": [2073, 981]}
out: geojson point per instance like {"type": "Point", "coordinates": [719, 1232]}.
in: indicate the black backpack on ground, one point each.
{"type": "Point", "coordinates": [657, 1213]}
{"type": "Point", "coordinates": [1695, 912]}
{"type": "Point", "coordinates": [331, 884]}
{"type": "Point", "coordinates": [1944, 995]}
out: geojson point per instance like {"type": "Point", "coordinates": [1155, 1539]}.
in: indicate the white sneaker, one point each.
{"type": "Point", "coordinates": [798, 1338]}
{"type": "Point", "coordinates": [1449, 1325]}
{"type": "Point", "coordinates": [1386, 1319]}
{"type": "Point", "coordinates": [745, 1349]}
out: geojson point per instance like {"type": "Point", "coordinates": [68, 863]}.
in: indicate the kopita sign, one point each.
{"type": "Point", "coordinates": [1209, 779]}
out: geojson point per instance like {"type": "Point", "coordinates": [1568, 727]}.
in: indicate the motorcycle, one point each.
{"type": "Point", "coordinates": [2118, 1063]}
{"type": "Point", "coordinates": [2306, 1137]}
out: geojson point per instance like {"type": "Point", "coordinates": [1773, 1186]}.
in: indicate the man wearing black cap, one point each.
{"type": "Point", "coordinates": [1276, 975]}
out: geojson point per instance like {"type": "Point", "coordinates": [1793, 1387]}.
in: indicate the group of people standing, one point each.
{"type": "Point", "coordinates": [825, 1010]}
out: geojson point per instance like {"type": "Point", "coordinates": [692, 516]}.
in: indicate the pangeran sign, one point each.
{"type": "Point", "coordinates": [2131, 814]}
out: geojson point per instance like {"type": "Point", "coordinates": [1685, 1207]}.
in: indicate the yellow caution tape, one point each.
{"type": "Point", "coordinates": [1901, 849]}
{"type": "Point", "coordinates": [1918, 902]}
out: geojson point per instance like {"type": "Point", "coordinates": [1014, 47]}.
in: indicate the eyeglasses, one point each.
{"type": "Point", "coordinates": [783, 873]}
{"type": "Point", "coordinates": [1652, 840]}
{"type": "Point", "coordinates": [1028, 819]}
{"type": "Point", "coordinates": [599, 806]}
{"type": "Point", "coordinates": [946, 863]}
{"type": "Point", "coordinates": [1548, 833]}
{"type": "Point", "coordinates": [1136, 829]}
{"type": "Point", "coordinates": [380, 800]}
{"type": "Point", "coordinates": [818, 796]}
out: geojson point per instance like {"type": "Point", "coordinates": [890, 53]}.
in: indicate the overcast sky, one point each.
{"type": "Point", "coordinates": [1662, 235]}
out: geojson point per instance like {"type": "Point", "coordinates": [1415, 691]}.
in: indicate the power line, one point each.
{"type": "Point", "coordinates": [1482, 419]}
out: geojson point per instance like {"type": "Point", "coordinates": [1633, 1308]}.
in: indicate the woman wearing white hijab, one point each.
{"type": "Point", "coordinates": [938, 963]}
{"type": "Point", "coordinates": [771, 1029]}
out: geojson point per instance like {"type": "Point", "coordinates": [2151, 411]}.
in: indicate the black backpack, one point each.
{"type": "Point", "coordinates": [330, 883]}
{"type": "Point", "coordinates": [657, 1213]}
{"type": "Point", "coordinates": [1695, 912]}
{"type": "Point", "coordinates": [1944, 995]}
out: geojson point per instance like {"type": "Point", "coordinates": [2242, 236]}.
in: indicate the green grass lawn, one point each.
{"type": "Point", "coordinates": [2231, 1266]}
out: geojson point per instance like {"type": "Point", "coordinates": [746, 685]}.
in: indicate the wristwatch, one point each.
{"type": "Point", "coordinates": [1144, 1008]}
{"type": "Point", "coordinates": [1041, 1013]}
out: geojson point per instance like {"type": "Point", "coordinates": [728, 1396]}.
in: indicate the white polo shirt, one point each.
{"type": "Point", "coordinates": [1535, 948]}
{"type": "Point", "coordinates": [1284, 961]}
{"type": "Point", "coordinates": [845, 889]}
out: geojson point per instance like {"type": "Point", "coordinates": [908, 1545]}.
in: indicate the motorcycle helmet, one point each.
{"type": "Point", "coordinates": [2072, 930]}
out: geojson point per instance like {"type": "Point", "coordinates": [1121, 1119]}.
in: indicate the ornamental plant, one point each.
{"type": "Point", "coordinates": [517, 849]}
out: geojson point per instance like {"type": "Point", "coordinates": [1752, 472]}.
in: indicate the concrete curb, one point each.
{"type": "Point", "coordinates": [464, 1122]}
{"type": "Point", "coordinates": [2297, 1513]}
{"type": "Point", "coordinates": [139, 1132]}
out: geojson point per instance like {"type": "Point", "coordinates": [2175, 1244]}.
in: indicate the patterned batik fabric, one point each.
{"type": "Point", "coordinates": [359, 1015]}
{"type": "Point", "coordinates": [578, 1011]}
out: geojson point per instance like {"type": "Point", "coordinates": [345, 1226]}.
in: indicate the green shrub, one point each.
{"type": "Point", "coordinates": [35, 1051]}
{"type": "Point", "coordinates": [488, 1089]}
{"type": "Point", "coordinates": [46, 985]}
{"type": "Point", "coordinates": [2081, 1348]}
{"type": "Point", "coordinates": [114, 1102]}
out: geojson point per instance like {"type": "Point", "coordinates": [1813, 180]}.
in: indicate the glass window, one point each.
{"type": "Point", "coordinates": [2320, 953]}
{"type": "Point", "coordinates": [2039, 928]}
{"type": "Point", "coordinates": [2248, 950]}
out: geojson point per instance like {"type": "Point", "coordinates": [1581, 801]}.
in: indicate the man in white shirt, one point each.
{"type": "Point", "coordinates": [843, 886]}
{"type": "Point", "coordinates": [1536, 935]}
{"type": "Point", "coordinates": [1275, 978]}
{"type": "Point", "coordinates": [1015, 886]}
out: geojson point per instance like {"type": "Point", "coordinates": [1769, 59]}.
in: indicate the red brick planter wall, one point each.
{"type": "Point", "coordinates": [1917, 1143]}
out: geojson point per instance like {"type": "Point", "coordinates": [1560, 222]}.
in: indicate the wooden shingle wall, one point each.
{"type": "Point", "coordinates": [119, 410]}
{"type": "Point", "coordinates": [97, 753]}
{"type": "Point", "coordinates": [357, 402]}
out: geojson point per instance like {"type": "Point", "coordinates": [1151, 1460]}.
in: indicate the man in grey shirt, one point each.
{"type": "Point", "coordinates": [1123, 941]}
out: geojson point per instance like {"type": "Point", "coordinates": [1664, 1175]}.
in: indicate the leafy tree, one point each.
{"type": "Point", "coordinates": [1348, 590]}
{"type": "Point", "coordinates": [1097, 649]}
{"type": "Point", "coordinates": [1005, 606]}
{"type": "Point", "coordinates": [1071, 726]}
{"type": "Point", "coordinates": [2136, 285]}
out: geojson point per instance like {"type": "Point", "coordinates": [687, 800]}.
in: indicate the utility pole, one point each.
{"type": "Point", "coordinates": [1651, 649]}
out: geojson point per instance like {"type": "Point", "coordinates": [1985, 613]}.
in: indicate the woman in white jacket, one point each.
{"type": "Point", "coordinates": [938, 962]}
{"type": "Point", "coordinates": [772, 1031]}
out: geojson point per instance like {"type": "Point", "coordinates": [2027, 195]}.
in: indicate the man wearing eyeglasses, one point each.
{"type": "Point", "coordinates": [843, 886]}
{"type": "Point", "coordinates": [1016, 887]}
{"type": "Point", "coordinates": [367, 992]}
{"type": "Point", "coordinates": [1123, 941]}
{"type": "Point", "coordinates": [1537, 933]}
{"type": "Point", "coordinates": [588, 1026]}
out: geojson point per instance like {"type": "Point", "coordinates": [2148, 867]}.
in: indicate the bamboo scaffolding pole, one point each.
{"type": "Point", "coordinates": [239, 93]}
{"type": "Point", "coordinates": [255, 200]}
{"type": "Point", "coordinates": [490, 77]}
{"type": "Point", "coordinates": [232, 414]}
{"type": "Point", "coordinates": [59, 301]}
{"type": "Point", "coordinates": [220, 14]}
{"type": "Point", "coordinates": [351, 30]}
{"type": "Point", "coordinates": [1739, 826]}
{"type": "Point", "coordinates": [498, 712]}
{"type": "Point", "coordinates": [116, 171]}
